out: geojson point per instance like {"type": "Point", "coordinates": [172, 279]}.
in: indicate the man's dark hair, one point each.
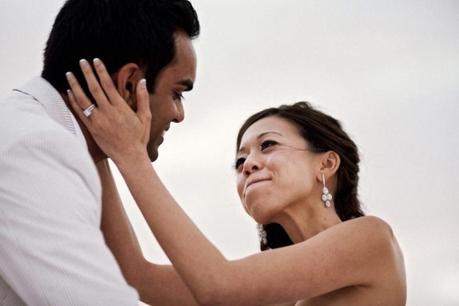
{"type": "Point", "coordinates": [118, 32]}
{"type": "Point", "coordinates": [323, 133]}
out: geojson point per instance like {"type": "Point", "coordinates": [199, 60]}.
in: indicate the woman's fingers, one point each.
{"type": "Point", "coordinates": [143, 108]}
{"type": "Point", "coordinates": [106, 81]}
{"type": "Point", "coordinates": [143, 102]}
{"type": "Point", "coordinates": [116, 128]}
{"type": "Point", "coordinates": [78, 110]}
{"type": "Point", "coordinates": [93, 84]}
{"type": "Point", "coordinates": [79, 96]}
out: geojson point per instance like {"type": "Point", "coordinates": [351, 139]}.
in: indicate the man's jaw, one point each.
{"type": "Point", "coordinates": [153, 147]}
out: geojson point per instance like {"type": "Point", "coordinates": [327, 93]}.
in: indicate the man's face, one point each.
{"type": "Point", "coordinates": [166, 102]}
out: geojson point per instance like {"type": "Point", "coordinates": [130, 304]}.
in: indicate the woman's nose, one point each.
{"type": "Point", "coordinates": [251, 164]}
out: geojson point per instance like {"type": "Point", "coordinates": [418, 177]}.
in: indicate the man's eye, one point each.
{"type": "Point", "coordinates": [267, 144]}
{"type": "Point", "coordinates": [178, 95]}
{"type": "Point", "coordinates": [239, 163]}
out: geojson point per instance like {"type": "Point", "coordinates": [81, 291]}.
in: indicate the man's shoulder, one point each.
{"type": "Point", "coordinates": [30, 137]}
{"type": "Point", "coordinates": [37, 154]}
{"type": "Point", "coordinates": [41, 143]}
{"type": "Point", "coordinates": [23, 119]}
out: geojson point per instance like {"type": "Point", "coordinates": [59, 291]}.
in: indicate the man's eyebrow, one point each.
{"type": "Point", "coordinates": [188, 84]}
{"type": "Point", "coordinates": [242, 149]}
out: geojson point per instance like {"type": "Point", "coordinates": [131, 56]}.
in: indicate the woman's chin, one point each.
{"type": "Point", "coordinates": [259, 213]}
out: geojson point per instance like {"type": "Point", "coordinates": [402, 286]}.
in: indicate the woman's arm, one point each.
{"type": "Point", "coordinates": [349, 254]}
{"type": "Point", "coordinates": [356, 252]}
{"type": "Point", "coordinates": [156, 284]}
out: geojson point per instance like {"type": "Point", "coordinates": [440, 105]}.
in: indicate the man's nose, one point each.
{"type": "Point", "coordinates": [179, 113]}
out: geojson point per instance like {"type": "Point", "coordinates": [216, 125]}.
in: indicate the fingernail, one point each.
{"type": "Point", "coordinates": [83, 62]}
{"type": "Point", "coordinates": [69, 95]}
{"type": "Point", "coordinates": [143, 83]}
{"type": "Point", "coordinates": [68, 75]}
{"type": "Point", "coordinates": [97, 61]}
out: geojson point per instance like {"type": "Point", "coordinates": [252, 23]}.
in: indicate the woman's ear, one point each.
{"type": "Point", "coordinates": [126, 79]}
{"type": "Point", "coordinates": [329, 164]}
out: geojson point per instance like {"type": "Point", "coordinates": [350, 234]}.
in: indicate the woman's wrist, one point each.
{"type": "Point", "coordinates": [132, 161]}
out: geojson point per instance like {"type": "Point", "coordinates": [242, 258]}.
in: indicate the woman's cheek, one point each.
{"type": "Point", "coordinates": [240, 185]}
{"type": "Point", "coordinates": [272, 159]}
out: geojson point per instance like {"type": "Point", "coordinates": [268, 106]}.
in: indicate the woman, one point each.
{"type": "Point", "coordinates": [296, 168]}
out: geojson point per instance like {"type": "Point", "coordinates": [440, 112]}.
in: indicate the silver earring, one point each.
{"type": "Point", "coordinates": [326, 195]}
{"type": "Point", "coordinates": [262, 234]}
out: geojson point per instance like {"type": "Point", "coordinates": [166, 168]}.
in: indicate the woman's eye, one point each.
{"type": "Point", "coordinates": [266, 144]}
{"type": "Point", "coordinates": [239, 163]}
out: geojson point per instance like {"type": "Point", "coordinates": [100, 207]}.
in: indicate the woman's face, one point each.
{"type": "Point", "coordinates": [274, 168]}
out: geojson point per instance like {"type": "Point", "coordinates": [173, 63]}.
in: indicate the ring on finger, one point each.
{"type": "Point", "coordinates": [88, 111]}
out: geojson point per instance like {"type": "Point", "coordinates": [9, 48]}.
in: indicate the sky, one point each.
{"type": "Point", "coordinates": [388, 70]}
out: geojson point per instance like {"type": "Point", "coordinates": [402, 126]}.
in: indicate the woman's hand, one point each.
{"type": "Point", "coordinates": [120, 132]}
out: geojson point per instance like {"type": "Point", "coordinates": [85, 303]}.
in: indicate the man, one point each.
{"type": "Point", "coordinates": [52, 250]}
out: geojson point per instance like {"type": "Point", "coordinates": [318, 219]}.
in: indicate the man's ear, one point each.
{"type": "Point", "coordinates": [126, 79]}
{"type": "Point", "coordinates": [329, 164]}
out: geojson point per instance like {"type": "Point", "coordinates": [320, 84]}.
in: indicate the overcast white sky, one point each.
{"type": "Point", "coordinates": [389, 70]}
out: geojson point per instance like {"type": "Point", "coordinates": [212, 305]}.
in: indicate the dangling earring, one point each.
{"type": "Point", "coordinates": [262, 234]}
{"type": "Point", "coordinates": [326, 195]}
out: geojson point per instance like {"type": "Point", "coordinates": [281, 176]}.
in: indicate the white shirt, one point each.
{"type": "Point", "coordinates": [52, 251]}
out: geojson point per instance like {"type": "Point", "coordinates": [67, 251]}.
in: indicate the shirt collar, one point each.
{"type": "Point", "coordinates": [45, 94]}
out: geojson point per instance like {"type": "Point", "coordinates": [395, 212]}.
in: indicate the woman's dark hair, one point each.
{"type": "Point", "coordinates": [118, 32]}
{"type": "Point", "coordinates": [323, 133]}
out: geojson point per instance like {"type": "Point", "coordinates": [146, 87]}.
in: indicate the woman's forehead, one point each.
{"type": "Point", "coordinates": [272, 125]}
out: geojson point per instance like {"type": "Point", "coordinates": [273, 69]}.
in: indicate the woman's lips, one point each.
{"type": "Point", "coordinates": [255, 182]}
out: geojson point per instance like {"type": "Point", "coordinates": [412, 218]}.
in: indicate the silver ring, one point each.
{"type": "Point", "coordinates": [88, 111]}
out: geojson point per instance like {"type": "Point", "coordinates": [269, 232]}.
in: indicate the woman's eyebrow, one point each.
{"type": "Point", "coordinates": [242, 149]}
{"type": "Point", "coordinates": [268, 132]}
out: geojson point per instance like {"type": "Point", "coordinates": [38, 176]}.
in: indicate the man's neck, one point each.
{"type": "Point", "coordinates": [96, 153]}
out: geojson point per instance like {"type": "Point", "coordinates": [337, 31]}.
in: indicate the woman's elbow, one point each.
{"type": "Point", "coordinates": [216, 291]}
{"type": "Point", "coordinates": [209, 296]}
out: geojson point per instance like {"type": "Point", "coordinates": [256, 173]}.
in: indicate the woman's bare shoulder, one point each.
{"type": "Point", "coordinates": [375, 233]}
{"type": "Point", "coordinates": [362, 253]}
{"type": "Point", "coordinates": [371, 232]}
{"type": "Point", "coordinates": [369, 226]}
{"type": "Point", "coordinates": [368, 239]}
{"type": "Point", "coordinates": [369, 221]}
